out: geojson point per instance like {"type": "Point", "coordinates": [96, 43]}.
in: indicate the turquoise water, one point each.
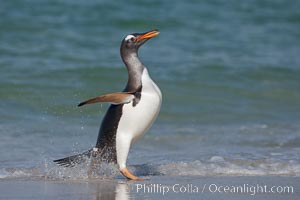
{"type": "Point", "coordinates": [228, 70]}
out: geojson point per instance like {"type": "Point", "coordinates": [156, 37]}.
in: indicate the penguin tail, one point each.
{"type": "Point", "coordinates": [71, 161]}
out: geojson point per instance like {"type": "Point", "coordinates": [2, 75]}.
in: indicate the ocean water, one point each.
{"type": "Point", "coordinates": [229, 72]}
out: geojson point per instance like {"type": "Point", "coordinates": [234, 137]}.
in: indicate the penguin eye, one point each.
{"type": "Point", "coordinates": [132, 39]}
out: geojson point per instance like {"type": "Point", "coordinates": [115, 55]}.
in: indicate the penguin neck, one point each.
{"type": "Point", "coordinates": [135, 70]}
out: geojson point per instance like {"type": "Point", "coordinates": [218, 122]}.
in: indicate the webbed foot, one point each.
{"type": "Point", "coordinates": [129, 175]}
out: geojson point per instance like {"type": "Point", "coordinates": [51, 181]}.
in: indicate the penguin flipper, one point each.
{"type": "Point", "coordinates": [71, 161]}
{"type": "Point", "coordinates": [114, 98]}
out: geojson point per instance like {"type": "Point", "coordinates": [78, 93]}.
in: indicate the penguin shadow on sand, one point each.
{"type": "Point", "coordinates": [117, 190]}
{"type": "Point", "coordinates": [120, 188]}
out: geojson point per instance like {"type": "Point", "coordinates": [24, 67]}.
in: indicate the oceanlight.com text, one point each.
{"type": "Point", "coordinates": [248, 189]}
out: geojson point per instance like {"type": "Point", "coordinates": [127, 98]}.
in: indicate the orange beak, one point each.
{"type": "Point", "coordinates": [148, 35]}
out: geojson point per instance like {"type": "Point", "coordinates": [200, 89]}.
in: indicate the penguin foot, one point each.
{"type": "Point", "coordinates": [129, 175]}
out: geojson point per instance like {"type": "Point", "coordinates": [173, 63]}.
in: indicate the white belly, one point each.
{"type": "Point", "coordinates": [136, 120]}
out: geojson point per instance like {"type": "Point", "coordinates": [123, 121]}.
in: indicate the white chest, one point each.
{"type": "Point", "coordinates": [136, 120]}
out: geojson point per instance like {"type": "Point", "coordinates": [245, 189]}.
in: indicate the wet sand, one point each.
{"type": "Point", "coordinates": [156, 187]}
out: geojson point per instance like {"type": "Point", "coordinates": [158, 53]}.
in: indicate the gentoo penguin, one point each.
{"type": "Point", "coordinates": [131, 113]}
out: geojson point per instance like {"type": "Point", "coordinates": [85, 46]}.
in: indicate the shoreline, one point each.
{"type": "Point", "coordinates": [167, 187]}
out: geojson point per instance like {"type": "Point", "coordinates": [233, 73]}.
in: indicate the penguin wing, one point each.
{"type": "Point", "coordinates": [114, 98]}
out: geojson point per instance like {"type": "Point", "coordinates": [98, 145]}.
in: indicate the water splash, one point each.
{"type": "Point", "coordinates": [215, 165]}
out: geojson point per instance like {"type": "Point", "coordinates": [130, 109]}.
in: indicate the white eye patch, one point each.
{"type": "Point", "coordinates": [128, 37]}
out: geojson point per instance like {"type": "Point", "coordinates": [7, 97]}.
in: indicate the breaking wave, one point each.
{"type": "Point", "coordinates": [214, 166]}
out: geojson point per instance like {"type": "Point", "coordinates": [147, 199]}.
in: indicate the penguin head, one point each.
{"type": "Point", "coordinates": [133, 41]}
